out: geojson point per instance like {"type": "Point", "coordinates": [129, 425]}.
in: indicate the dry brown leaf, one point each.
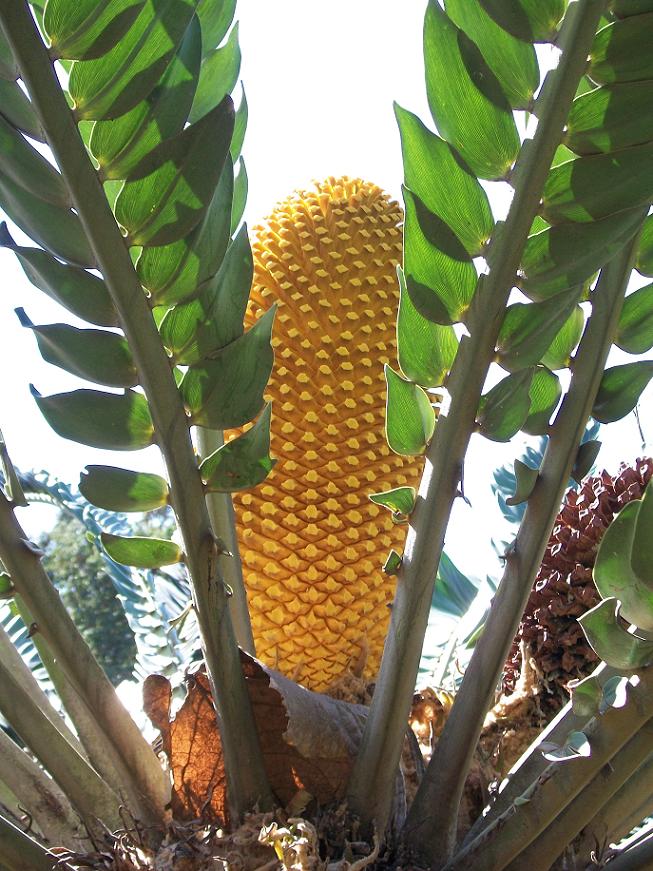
{"type": "Point", "coordinates": [309, 741]}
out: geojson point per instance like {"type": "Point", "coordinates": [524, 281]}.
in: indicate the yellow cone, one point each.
{"type": "Point", "coordinates": [311, 541]}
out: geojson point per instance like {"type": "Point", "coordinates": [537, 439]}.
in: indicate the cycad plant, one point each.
{"type": "Point", "coordinates": [138, 231]}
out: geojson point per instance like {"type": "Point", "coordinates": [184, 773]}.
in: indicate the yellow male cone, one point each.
{"type": "Point", "coordinates": [311, 541]}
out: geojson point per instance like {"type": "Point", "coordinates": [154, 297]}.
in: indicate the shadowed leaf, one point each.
{"type": "Point", "coordinates": [123, 490]}
{"type": "Point", "coordinates": [620, 389]}
{"type": "Point", "coordinates": [503, 410]}
{"type": "Point", "coordinates": [610, 640]}
{"type": "Point", "coordinates": [635, 330]}
{"type": "Point", "coordinates": [243, 462]}
{"type": "Point", "coordinates": [88, 28]}
{"type": "Point", "coordinates": [141, 553]}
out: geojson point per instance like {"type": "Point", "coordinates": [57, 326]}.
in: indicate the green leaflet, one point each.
{"type": "Point", "coordinates": [635, 329]}
{"type": "Point", "coordinates": [240, 196]}
{"type": "Point", "coordinates": [400, 501]}
{"type": "Point", "coordinates": [641, 552]}
{"type": "Point", "coordinates": [218, 77]}
{"type": "Point", "coordinates": [87, 29]}
{"type": "Point", "coordinates": [214, 318]}
{"type": "Point", "coordinates": [525, 478]}
{"type": "Point", "coordinates": [573, 192]}
{"type": "Point", "coordinates": [425, 350]}
{"type": "Point", "coordinates": [435, 173]}
{"type": "Point", "coordinates": [558, 355]}
{"type": "Point", "coordinates": [11, 485]}
{"type": "Point", "coordinates": [528, 330]}
{"type": "Point", "coordinates": [26, 167]}
{"type": "Point", "coordinates": [466, 101]}
{"type": "Point", "coordinates": [172, 273]}
{"type": "Point", "coordinates": [512, 61]}
{"type": "Point", "coordinates": [644, 262]}
{"type": "Point", "coordinates": [169, 191]}
{"type": "Point", "coordinates": [436, 266]}
{"type": "Point", "coordinates": [544, 394]}
{"type": "Point", "coordinates": [115, 83]}
{"type": "Point", "coordinates": [621, 51]}
{"type": "Point", "coordinates": [240, 127]}
{"type": "Point", "coordinates": [620, 389]}
{"type": "Point", "coordinates": [609, 118]}
{"type": "Point", "coordinates": [95, 355]}
{"type": "Point", "coordinates": [141, 553]}
{"type": "Point", "coordinates": [227, 390]}
{"type": "Point", "coordinates": [8, 67]}
{"type": "Point", "coordinates": [16, 108]}
{"type": "Point", "coordinates": [585, 459]}
{"type": "Point", "coordinates": [528, 20]}
{"type": "Point", "coordinates": [117, 422]}
{"type": "Point", "coordinates": [243, 462]}
{"type": "Point", "coordinates": [56, 229]}
{"type": "Point", "coordinates": [409, 417]}
{"type": "Point", "coordinates": [611, 641]}
{"type": "Point", "coordinates": [123, 490]}
{"type": "Point", "coordinates": [215, 17]}
{"type": "Point", "coordinates": [568, 254]}
{"type": "Point", "coordinates": [503, 410]}
{"type": "Point", "coordinates": [83, 294]}
{"type": "Point", "coordinates": [120, 144]}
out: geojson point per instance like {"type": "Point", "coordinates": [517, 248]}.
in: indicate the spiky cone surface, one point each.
{"type": "Point", "coordinates": [564, 589]}
{"type": "Point", "coordinates": [312, 543]}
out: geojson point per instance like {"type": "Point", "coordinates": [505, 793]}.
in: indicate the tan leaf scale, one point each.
{"type": "Point", "coordinates": [312, 543]}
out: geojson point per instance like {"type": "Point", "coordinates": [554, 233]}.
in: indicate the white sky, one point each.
{"type": "Point", "coordinates": [320, 80]}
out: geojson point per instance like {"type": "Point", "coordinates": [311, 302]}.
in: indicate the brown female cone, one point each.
{"type": "Point", "coordinates": [312, 543]}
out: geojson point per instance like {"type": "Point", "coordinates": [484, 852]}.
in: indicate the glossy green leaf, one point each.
{"type": "Point", "coordinates": [400, 501]}
{"type": "Point", "coordinates": [544, 393]}
{"type": "Point", "coordinates": [392, 563]}
{"type": "Point", "coordinates": [625, 8]}
{"type": "Point", "coordinates": [525, 478]}
{"type": "Point", "coordinates": [613, 573]}
{"type": "Point", "coordinates": [568, 254]}
{"type": "Point", "coordinates": [644, 262]}
{"type": "Point", "coordinates": [440, 276]}
{"type": "Point", "coordinates": [558, 355]}
{"type": "Point", "coordinates": [6, 586]}
{"type": "Point", "coordinates": [612, 117]}
{"type": "Point", "coordinates": [585, 459]}
{"type": "Point", "coordinates": [227, 390]}
{"type": "Point", "coordinates": [218, 77]}
{"type": "Point", "coordinates": [169, 191]}
{"type": "Point", "coordinates": [466, 101]}
{"type": "Point", "coordinates": [503, 410]}
{"type": "Point", "coordinates": [240, 127]}
{"type": "Point", "coordinates": [599, 185]}
{"type": "Point", "coordinates": [528, 20]}
{"type": "Point", "coordinates": [528, 330]}
{"type": "Point", "coordinates": [435, 173]}
{"type": "Point", "coordinates": [120, 144]}
{"type": "Point", "coordinates": [29, 169]}
{"type": "Point", "coordinates": [425, 350]}
{"type": "Point", "coordinates": [79, 291]}
{"type": "Point", "coordinates": [621, 51]}
{"type": "Point", "coordinates": [215, 17]}
{"type": "Point", "coordinates": [95, 355]}
{"type": "Point", "coordinates": [243, 462]}
{"type": "Point", "coordinates": [620, 389]}
{"type": "Point", "coordinates": [87, 29]}
{"type": "Point", "coordinates": [16, 108]}
{"type": "Point", "coordinates": [116, 422]}
{"type": "Point", "coordinates": [641, 552]}
{"type": "Point", "coordinates": [172, 273]}
{"type": "Point", "coordinates": [213, 319]}
{"type": "Point", "coordinates": [8, 67]}
{"type": "Point", "coordinates": [123, 490]}
{"type": "Point", "coordinates": [586, 696]}
{"type": "Point", "coordinates": [56, 229]}
{"type": "Point", "coordinates": [115, 83]}
{"type": "Point", "coordinates": [511, 60]}
{"type": "Point", "coordinates": [409, 418]}
{"type": "Point", "coordinates": [611, 641]}
{"type": "Point", "coordinates": [240, 196]}
{"type": "Point", "coordinates": [141, 553]}
{"type": "Point", "coordinates": [635, 329]}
